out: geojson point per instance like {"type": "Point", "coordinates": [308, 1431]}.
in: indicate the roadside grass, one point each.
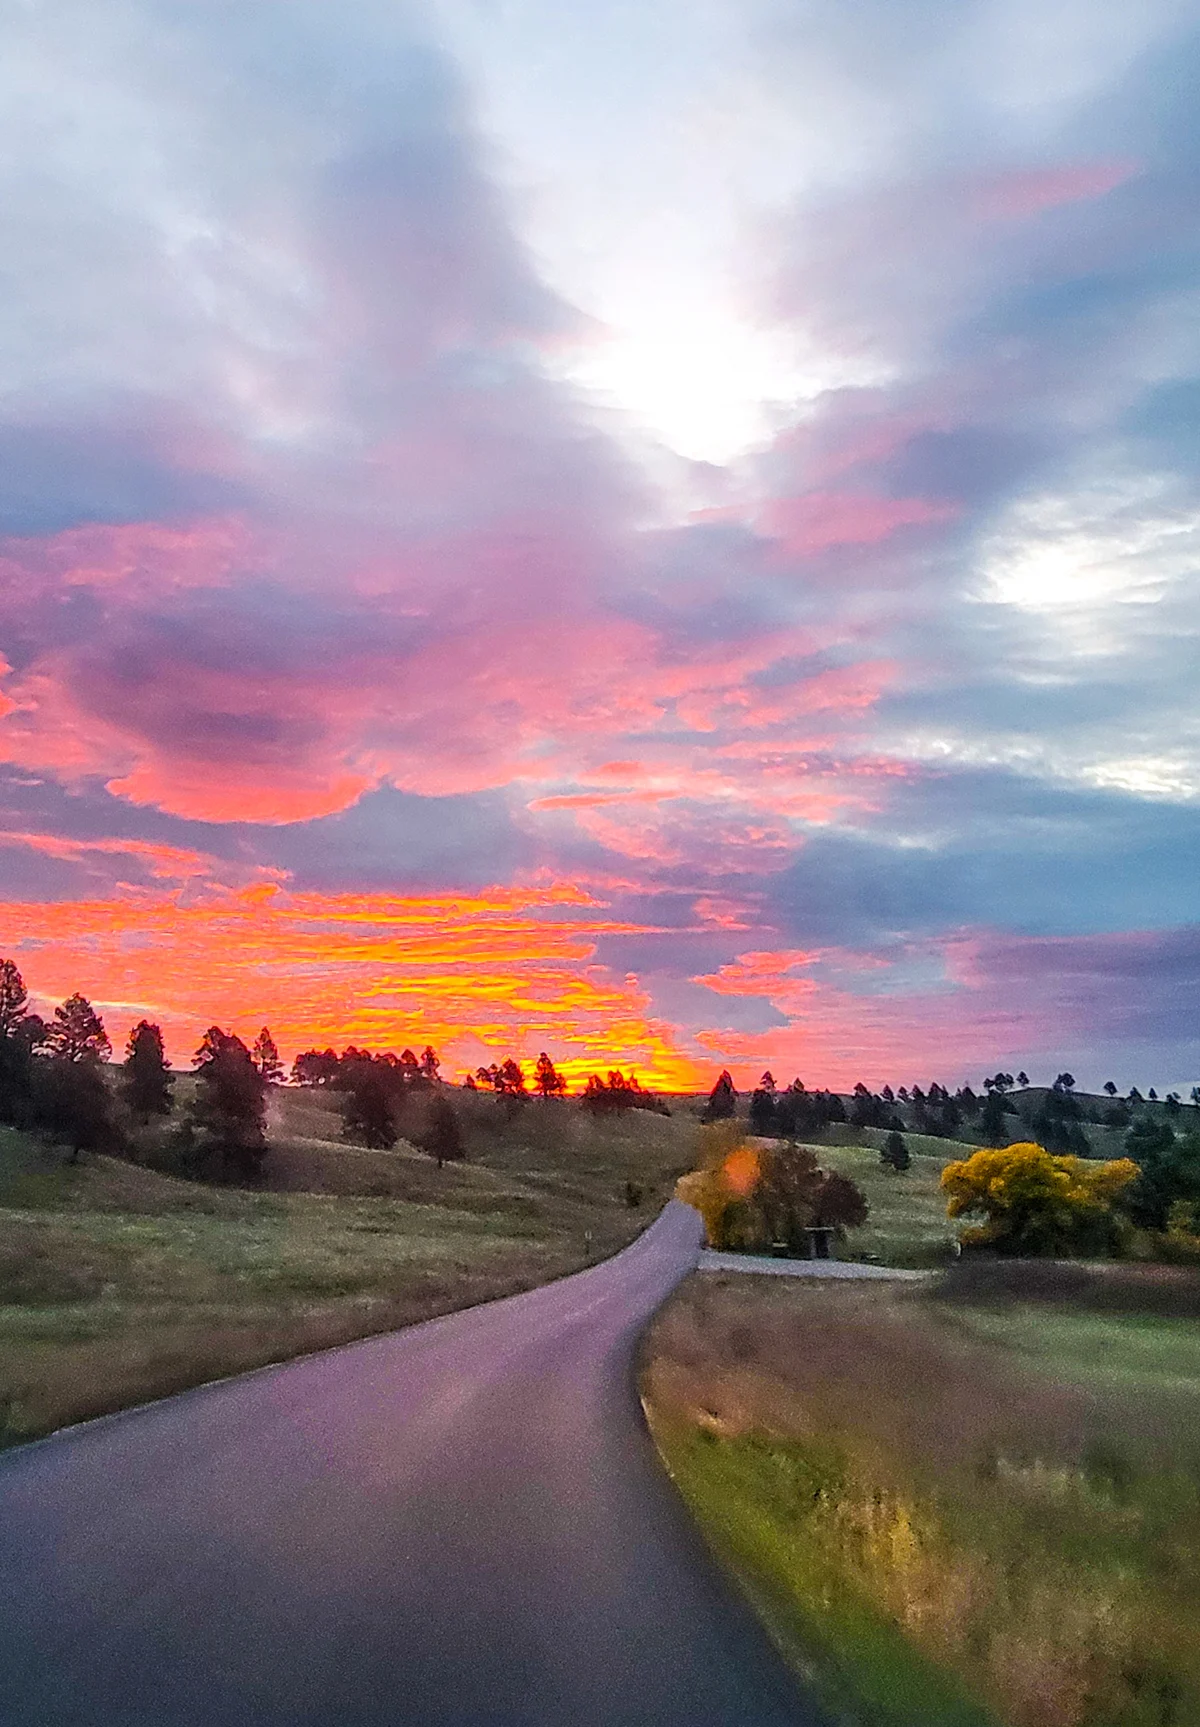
{"type": "Point", "coordinates": [948, 1510]}
{"type": "Point", "coordinates": [119, 1284]}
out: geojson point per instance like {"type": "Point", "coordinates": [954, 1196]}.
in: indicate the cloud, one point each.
{"type": "Point", "coordinates": [318, 570]}
{"type": "Point", "coordinates": [506, 971]}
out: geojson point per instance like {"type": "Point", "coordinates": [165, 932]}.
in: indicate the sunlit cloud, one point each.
{"type": "Point", "coordinates": [507, 972]}
{"type": "Point", "coordinates": [741, 466]}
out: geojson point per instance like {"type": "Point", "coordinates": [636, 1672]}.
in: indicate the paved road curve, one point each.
{"type": "Point", "coordinates": [463, 1523]}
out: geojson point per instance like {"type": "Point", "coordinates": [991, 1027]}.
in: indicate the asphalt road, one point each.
{"type": "Point", "coordinates": [462, 1523]}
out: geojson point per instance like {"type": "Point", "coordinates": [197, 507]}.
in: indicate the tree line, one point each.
{"type": "Point", "coordinates": [1059, 1121]}
{"type": "Point", "coordinates": [52, 1081]}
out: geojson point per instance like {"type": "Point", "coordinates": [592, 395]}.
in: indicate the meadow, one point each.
{"type": "Point", "coordinates": [976, 1501]}
{"type": "Point", "coordinates": [907, 1223]}
{"type": "Point", "coordinates": [119, 1284]}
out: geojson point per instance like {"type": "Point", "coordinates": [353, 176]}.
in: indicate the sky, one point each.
{"type": "Point", "coordinates": [667, 532]}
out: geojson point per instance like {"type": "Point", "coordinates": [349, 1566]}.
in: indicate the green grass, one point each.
{"type": "Point", "coordinates": [948, 1511]}
{"type": "Point", "coordinates": [1136, 1352]}
{"type": "Point", "coordinates": [907, 1223]}
{"type": "Point", "coordinates": [119, 1284]}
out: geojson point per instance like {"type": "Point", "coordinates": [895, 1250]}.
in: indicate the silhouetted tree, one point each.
{"type": "Point", "coordinates": [265, 1057]}
{"type": "Point", "coordinates": [77, 1032]}
{"type": "Point", "coordinates": [1110, 1087]}
{"type": "Point", "coordinates": [763, 1112]}
{"type": "Point", "coordinates": [967, 1102]}
{"type": "Point", "coordinates": [367, 1108]}
{"type": "Point", "coordinates": [992, 1119]}
{"type": "Point", "coordinates": [442, 1137]}
{"type": "Point", "coordinates": [619, 1093]}
{"type": "Point", "coordinates": [722, 1099]}
{"type": "Point", "coordinates": [147, 1077]}
{"type": "Point", "coordinates": [225, 1131]}
{"type": "Point", "coordinates": [14, 998]}
{"type": "Point", "coordinates": [1022, 1079]}
{"type": "Point", "coordinates": [20, 1034]}
{"type": "Point", "coordinates": [430, 1063]}
{"type": "Point", "coordinates": [1058, 1123]}
{"type": "Point", "coordinates": [316, 1067]}
{"type": "Point", "coordinates": [547, 1080]}
{"type": "Point", "coordinates": [73, 1105]}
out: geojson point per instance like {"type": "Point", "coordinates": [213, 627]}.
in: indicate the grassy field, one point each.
{"type": "Point", "coordinates": [907, 1223]}
{"type": "Point", "coordinates": [118, 1284]}
{"type": "Point", "coordinates": [959, 1504]}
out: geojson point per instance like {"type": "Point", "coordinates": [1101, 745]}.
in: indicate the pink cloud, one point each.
{"type": "Point", "coordinates": [816, 522]}
{"type": "Point", "coordinates": [1031, 191]}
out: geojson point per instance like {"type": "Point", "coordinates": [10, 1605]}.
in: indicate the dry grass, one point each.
{"type": "Point", "coordinates": [119, 1284]}
{"type": "Point", "coordinates": [949, 1512]}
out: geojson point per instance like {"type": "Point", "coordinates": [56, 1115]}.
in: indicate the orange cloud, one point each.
{"type": "Point", "coordinates": [509, 970]}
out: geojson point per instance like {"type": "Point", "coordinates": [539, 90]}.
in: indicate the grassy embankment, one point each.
{"type": "Point", "coordinates": [118, 1284]}
{"type": "Point", "coordinates": [971, 1502]}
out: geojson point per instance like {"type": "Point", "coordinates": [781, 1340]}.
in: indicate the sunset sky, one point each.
{"type": "Point", "coordinates": [664, 532]}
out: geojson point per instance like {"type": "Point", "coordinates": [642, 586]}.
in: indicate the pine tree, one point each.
{"type": "Point", "coordinates": [73, 1104]}
{"type": "Point", "coordinates": [226, 1126]}
{"type": "Point", "coordinates": [147, 1078]}
{"type": "Point", "coordinates": [367, 1107]}
{"type": "Point", "coordinates": [895, 1154]}
{"type": "Point", "coordinates": [265, 1057]}
{"type": "Point", "coordinates": [546, 1078]}
{"type": "Point", "coordinates": [20, 1034]}
{"type": "Point", "coordinates": [78, 1033]}
{"type": "Point", "coordinates": [13, 998]}
{"type": "Point", "coordinates": [722, 1099]}
{"type": "Point", "coordinates": [442, 1138]}
{"type": "Point", "coordinates": [992, 1119]}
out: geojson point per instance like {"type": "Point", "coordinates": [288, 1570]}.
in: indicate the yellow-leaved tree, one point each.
{"type": "Point", "coordinates": [1032, 1201]}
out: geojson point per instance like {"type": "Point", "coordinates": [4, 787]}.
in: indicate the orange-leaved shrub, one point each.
{"type": "Point", "coordinates": [752, 1196]}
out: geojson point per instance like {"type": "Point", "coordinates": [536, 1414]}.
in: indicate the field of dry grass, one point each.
{"type": "Point", "coordinates": [119, 1284]}
{"type": "Point", "coordinates": [974, 1504]}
